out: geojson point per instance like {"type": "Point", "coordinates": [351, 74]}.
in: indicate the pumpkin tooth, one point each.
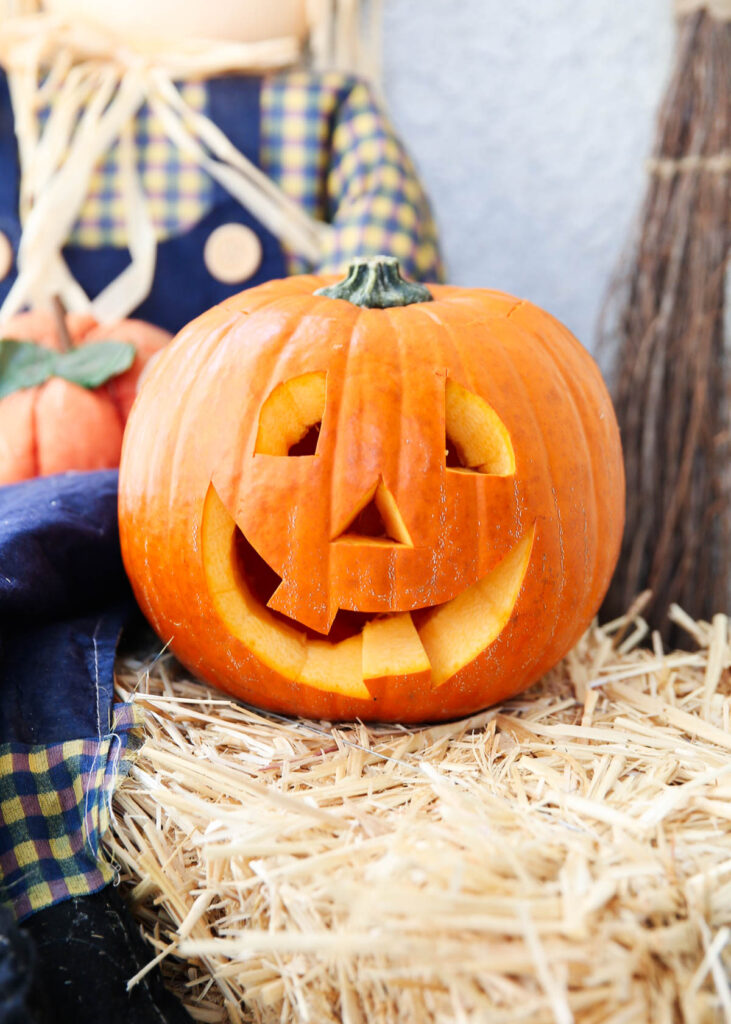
{"type": "Point", "coordinates": [336, 667]}
{"type": "Point", "coordinates": [391, 647]}
{"type": "Point", "coordinates": [457, 631]}
{"type": "Point", "coordinates": [295, 601]}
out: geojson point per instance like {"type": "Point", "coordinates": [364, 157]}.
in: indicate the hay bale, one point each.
{"type": "Point", "coordinates": [563, 857]}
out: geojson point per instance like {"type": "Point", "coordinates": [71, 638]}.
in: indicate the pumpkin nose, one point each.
{"type": "Point", "coordinates": [375, 517]}
{"type": "Point", "coordinates": [387, 452]}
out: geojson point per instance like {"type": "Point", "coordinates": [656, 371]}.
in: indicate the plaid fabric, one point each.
{"type": "Point", "coordinates": [54, 808]}
{"type": "Point", "coordinates": [178, 192]}
{"type": "Point", "coordinates": [328, 145]}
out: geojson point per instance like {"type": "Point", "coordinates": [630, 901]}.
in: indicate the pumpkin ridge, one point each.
{"type": "Point", "coordinates": [317, 303]}
{"type": "Point", "coordinates": [272, 379]}
{"type": "Point", "coordinates": [514, 309]}
{"type": "Point", "coordinates": [104, 390]}
{"type": "Point", "coordinates": [498, 346]}
{"type": "Point", "coordinates": [432, 311]}
{"type": "Point", "coordinates": [403, 375]}
{"type": "Point", "coordinates": [560, 533]}
{"type": "Point", "coordinates": [426, 346]}
{"type": "Point", "coordinates": [568, 383]}
{"type": "Point", "coordinates": [35, 449]}
{"type": "Point", "coordinates": [304, 342]}
{"type": "Point", "coordinates": [205, 351]}
{"type": "Point", "coordinates": [86, 331]}
{"type": "Point", "coordinates": [398, 437]}
{"type": "Point", "coordinates": [446, 328]}
{"type": "Point", "coordinates": [356, 320]}
{"type": "Point", "coordinates": [553, 356]}
{"type": "Point", "coordinates": [138, 460]}
{"type": "Point", "coordinates": [587, 383]}
{"type": "Point", "coordinates": [592, 388]}
{"type": "Point", "coordinates": [462, 364]}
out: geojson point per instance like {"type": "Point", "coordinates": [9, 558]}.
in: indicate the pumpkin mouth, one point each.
{"type": "Point", "coordinates": [262, 581]}
{"type": "Point", "coordinates": [361, 650]}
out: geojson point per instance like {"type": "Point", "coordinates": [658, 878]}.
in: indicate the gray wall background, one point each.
{"type": "Point", "coordinates": [529, 121]}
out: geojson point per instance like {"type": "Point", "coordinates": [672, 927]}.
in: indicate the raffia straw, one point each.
{"type": "Point", "coordinates": [565, 857]}
{"type": "Point", "coordinates": [76, 91]}
{"type": "Point", "coordinates": [666, 321]}
{"type": "Point", "coordinates": [99, 86]}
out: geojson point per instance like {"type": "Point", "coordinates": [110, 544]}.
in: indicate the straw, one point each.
{"type": "Point", "coordinates": [565, 857]}
{"type": "Point", "coordinates": [665, 322]}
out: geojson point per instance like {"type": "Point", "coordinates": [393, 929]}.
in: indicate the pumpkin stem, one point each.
{"type": "Point", "coordinates": [375, 282]}
{"type": "Point", "coordinates": [59, 314]}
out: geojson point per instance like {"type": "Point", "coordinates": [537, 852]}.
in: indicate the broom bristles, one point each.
{"type": "Point", "coordinates": [671, 387]}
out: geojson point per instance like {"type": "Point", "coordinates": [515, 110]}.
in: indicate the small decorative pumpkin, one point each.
{"type": "Point", "coordinates": [66, 391]}
{"type": "Point", "coordinates": [370, 499]}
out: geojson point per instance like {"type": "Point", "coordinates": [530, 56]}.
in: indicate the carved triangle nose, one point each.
{"type": "Point", "coordinates": [375, 517]}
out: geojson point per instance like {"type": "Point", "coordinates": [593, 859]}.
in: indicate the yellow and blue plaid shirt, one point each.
{"type": "Point", "coordinates": [324, 140]}
{"type": "Point", "coordinates": [55, 803]}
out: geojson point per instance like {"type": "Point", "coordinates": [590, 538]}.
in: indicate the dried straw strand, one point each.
{"type": "Point", "coordinates": [565, 857]}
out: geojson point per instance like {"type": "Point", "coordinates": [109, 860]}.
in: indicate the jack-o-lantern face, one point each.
{"type": "Point", "coordinates": [357, 522]}
{"type": "Point", "coordinates": [391, 513]}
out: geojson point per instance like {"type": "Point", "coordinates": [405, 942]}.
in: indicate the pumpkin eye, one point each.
{"type": "Point", "coordinates": [291, 416]}
{"type": "Point", "coordinates": [477, 440]}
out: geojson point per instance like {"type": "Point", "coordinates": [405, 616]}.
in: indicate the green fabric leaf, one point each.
{"type": "Point", "coordinates": [94, 364]}
{"type": "Point", "coordinates": [23, 364]}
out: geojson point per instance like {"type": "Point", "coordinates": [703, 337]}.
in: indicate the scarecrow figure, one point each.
{"type": "Point", "coordinates": [160, 177]}
{"type": "Point", "coordinates": [63, 745]}
{"type": "Point", "coordinates": [142, 171]}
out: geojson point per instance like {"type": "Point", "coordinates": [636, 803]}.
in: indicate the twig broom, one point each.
{"type": "Point", "coordinates": [671, 387]}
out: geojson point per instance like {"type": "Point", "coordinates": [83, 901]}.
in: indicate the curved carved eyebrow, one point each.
{"type": "Point", "coordinates": [291, 416]}
{"type": "Point", "coordinates": [476, 436]}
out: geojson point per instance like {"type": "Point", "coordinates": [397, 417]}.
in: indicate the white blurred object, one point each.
{"type": "Point", "coordinates": [145, 23]}
{"type": "Point", "coordinates": [96, 63]}
{"type": "Point", "coordinates": [342, 34]}
{"type": "Point", "coordinates": [347, 35]}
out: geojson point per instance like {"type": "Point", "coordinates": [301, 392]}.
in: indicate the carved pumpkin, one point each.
{"type": "Point", "coordinates": [50, 421]}
{"type": "Point", "coordinates": [398, 513]}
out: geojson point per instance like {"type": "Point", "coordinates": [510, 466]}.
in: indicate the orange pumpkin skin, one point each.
{"type": "Point", "coordinates": [191, 478]}
{"type": "Point", "coordinates": [59, 425]}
